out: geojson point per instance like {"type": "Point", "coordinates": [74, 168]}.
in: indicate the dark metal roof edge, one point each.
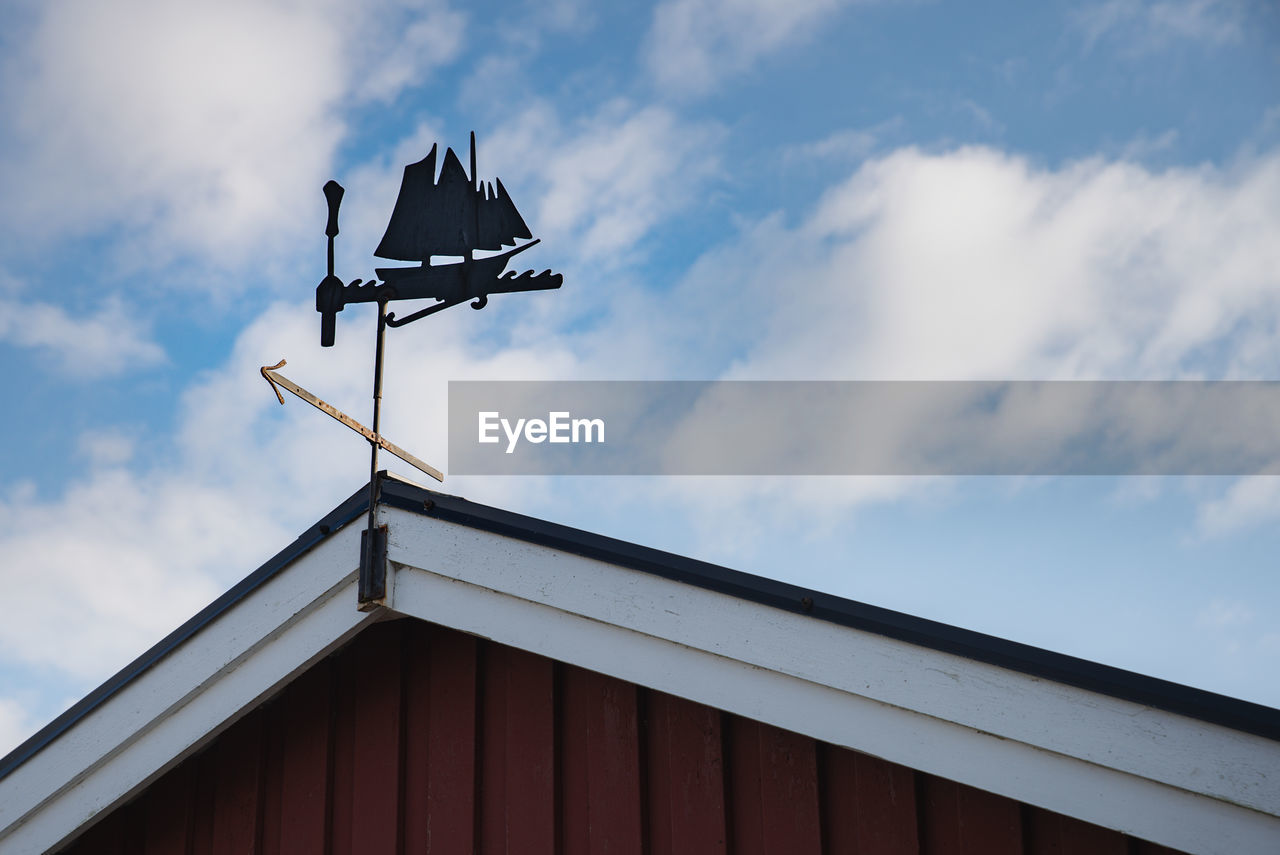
{"type": "Point", "coordinates": [1172, 697]}
{"type": "Point", "coordinates": [350, 509]}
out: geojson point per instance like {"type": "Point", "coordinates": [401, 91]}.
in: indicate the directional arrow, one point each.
{"type": "Point", "coordinates": [276, 380]}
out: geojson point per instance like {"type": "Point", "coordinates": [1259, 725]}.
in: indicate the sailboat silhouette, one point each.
{"type": "Point", "coordinates": [454, 215]}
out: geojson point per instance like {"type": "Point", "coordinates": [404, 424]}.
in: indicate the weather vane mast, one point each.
{"type": "Point", "coordinates": [454, 216]}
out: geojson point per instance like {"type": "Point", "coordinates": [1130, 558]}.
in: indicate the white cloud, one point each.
{"type": "Point", "coordinates": [567, 15]}
{"type": "Point", "coordinates": [109, 342]}
{"type": "Point", "coordinates": [1145, 147]}
{"type": "Point", "coordinates": [603, 182]}
{"type": "Point", "coordinates": [196, 126]}
{"type": "Point", "coordinates": [849, 145]}
{"type": "Point", "coordinates": [1236, 645]}
{"type": "Point", "coordinates": [433, 37]}
{"type": "Point", "coordinates": [129, 561]}
{"type": "Point", "coordinates": [1222, 614]}
{"type": "Point", "coordinates": [1247, 503]}
{"type": "Point", "coordinates": [1148, 25]}
{"type": "Point", "coordinates": [694, 44]}
{"type": "Point", "coordinates": [970, 264]}
{"type": "Point", "coordinates": [973, 264]}
{"type": "Point", "coordinates": [16, 723]}
{"type": "Point", "coordinates": [106, 447]}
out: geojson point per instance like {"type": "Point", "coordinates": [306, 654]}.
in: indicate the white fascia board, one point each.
{"type": "Point", "coordinates": [1153, 774]}
{"type": "Point", "coordinates": [175, 707]}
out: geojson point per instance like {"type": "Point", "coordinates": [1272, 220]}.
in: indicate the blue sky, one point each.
{"type": "Point", "coordinates": [738, 189]}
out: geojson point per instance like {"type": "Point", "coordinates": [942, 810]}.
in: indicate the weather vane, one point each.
{"type": "Point", "coordinates": [452, 215]}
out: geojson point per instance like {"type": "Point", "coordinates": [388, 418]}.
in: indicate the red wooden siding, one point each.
{"type": "Point", "coordinates": [416, 738]}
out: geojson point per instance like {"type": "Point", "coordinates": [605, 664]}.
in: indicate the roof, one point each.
{"type": "Point", "coordinates": [1148, 757]}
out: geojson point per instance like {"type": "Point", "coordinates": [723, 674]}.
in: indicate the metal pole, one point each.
{"type": "Point", "coordinates": [373, 563]}
{"type": "Point", "coordinates": [377, 407]}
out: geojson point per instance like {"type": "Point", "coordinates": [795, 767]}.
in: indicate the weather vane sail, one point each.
{"type": "Point", "coordinates": [454, 216]}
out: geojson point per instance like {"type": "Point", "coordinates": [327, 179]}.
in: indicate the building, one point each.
{"type": "Point", "coordinates": [534, 688]}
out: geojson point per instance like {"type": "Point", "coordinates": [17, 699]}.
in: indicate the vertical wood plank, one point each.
{"type": "Point", "coordinates": [305, 744]}
{"type": "Point", "coordinates": [868, 804]}
{"type": "Point", "coordinates": [452, 791]}
{"type": "Point", "coordinates": [440, 740]}
{"type": "Point", "coordinates": [531, 809]}
{"type": "Point", "coordinates": [774, 791]}
{"type": "Point", "coordinates": [202, 810]}
{"type": "Point", "coordinates": [575, 762]}
{"type": "Point", "coordinates": [167, 811]}
{"type": "Point", "coordinates": [518, 809]}
{"type": "Point", "coordinates": [271, 831]}
{"type": "Point", "coordinates": [1051, 833]}
{"type": "Point", "coordinates": [343, 745]}
{"type": "Point", "coordinates": [493, 748]}
{"type": "Point", "coordinates": [111, 835]}
{"type": "Point", "coordinates": [960, 820]}
{"type": "Point", "coordinates": [129, 834]}
{"type": "Point", "coordinates": [132, 839]}
{"type": "Point", "coordinates": [660, 777]}
{"type": "Point", "coordinates": [1143, 847]}
{"type": "Point", "coordinates": [685, 777]}
{"type": "Point", "coordinates": [108, 837]}
{"type": "Point", "coordinates": [746, 807]}
{"type": "Point", "coordinates": [238, 787]}
{"type": "Point", "coordinates": [789, 789]}
{"type": "Point", "coordinates": [615, 805]}
{"type": "Point", "coordinates": [77, 846]}
{"type": "Point", "coordinates": [418, 698]}
{"type": "Point", "coordinates": [375, 811]}
{"type": "Point", "coordinates": [940, 816]}
{"type": "Point", "coordinates": [605, 730]}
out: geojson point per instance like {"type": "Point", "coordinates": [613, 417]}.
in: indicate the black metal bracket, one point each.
{"type": "Point", "coordinates": [393, 321]}
{"type": "Point", "coordinates": [372, 587]}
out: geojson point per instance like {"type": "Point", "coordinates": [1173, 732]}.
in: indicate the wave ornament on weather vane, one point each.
{"type": "Point", "coordinates": [455, 216]}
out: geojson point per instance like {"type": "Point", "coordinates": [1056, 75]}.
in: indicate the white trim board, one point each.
{"type": "Point", "coordinates": [1150, 773]}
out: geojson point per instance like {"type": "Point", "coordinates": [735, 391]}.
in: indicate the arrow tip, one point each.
{"type": "Point", "coordinates": [265, 376]}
